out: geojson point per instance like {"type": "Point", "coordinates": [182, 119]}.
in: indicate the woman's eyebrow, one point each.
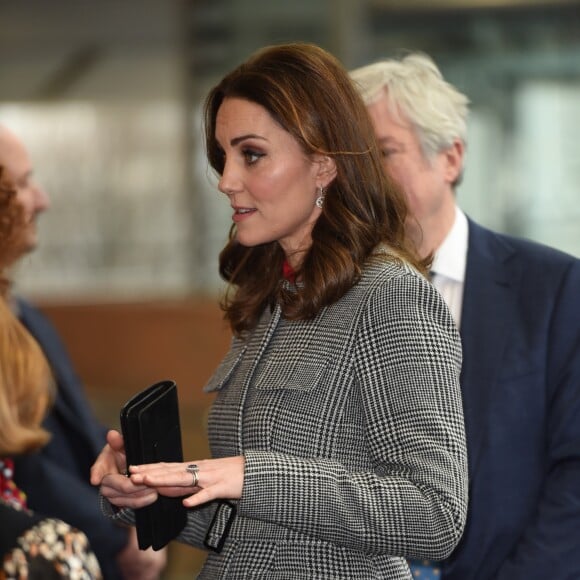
{"type": "Point", "coordinates": [241, 138]}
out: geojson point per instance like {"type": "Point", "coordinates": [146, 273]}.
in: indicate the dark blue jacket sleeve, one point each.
{"type": "Point", "coordinates": [56, 479]}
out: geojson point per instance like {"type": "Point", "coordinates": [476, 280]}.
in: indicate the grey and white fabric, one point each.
{"type": "Point", "coordinates": [352, 430]}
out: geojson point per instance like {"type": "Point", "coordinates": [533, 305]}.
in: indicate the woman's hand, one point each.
{"type": "Point", "coordinates": [111, 459]}
{"type": "Point", "coordinates": [216, 479]}
{"type": "Point", "coordinates": [108, 472]}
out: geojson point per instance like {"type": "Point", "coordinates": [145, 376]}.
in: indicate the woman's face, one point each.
{"type": "Point", "coordinates": [270, 182]}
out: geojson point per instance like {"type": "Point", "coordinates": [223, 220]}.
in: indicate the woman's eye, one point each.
{"type": "Point", "coordinates": [251, 156]}
{"type": "Point", "coordinates": [386, 153]}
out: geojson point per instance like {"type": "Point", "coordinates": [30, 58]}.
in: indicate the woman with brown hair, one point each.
{"type": "Point", "coordinates": [337, 430]}
{"type": "Point", "coordinates": [31, 546]}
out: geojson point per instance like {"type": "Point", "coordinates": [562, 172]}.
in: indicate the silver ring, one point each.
{"type": "Point", "coordinates": [194, 470]}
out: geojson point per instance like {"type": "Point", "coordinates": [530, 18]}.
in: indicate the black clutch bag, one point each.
{"type": "Point", "coordinates": [151, 430]}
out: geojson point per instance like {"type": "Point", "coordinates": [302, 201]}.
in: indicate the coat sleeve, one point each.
{"type": "Point", "coordinates": [406, 361]}
{"type": "Point", "coordinates": [548, 547]}
{"type": "Point", "coordinates": [193, 534]}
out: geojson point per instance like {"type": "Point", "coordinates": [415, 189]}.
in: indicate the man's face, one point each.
{"type": "Point", "coordinates": [427, 183]}
{"type": "Point", "coordinates": [17, 167]}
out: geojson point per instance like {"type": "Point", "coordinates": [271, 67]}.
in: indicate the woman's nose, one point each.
{"type": "Point", "coordinates": [229, 183]}
{"type": "Point", "coordinates": [224, 189]}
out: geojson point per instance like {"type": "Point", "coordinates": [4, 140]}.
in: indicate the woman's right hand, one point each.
{"type": "Point", "coordinates": [109, 472]}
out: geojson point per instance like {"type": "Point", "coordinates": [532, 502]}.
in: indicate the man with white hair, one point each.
{"type": "Point", "coordinates": [56, 478]}
{"type": "Point", "coordinates": [517, 305]}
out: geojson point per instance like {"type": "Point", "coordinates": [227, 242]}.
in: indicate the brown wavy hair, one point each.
{"type": "Point", "coordinates": [309, 94]}
{"type": "Point", "coordinates": [26, 385]}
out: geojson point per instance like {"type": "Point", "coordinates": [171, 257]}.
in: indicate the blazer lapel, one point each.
{"type": "Point", "coordinates": [491, 287]}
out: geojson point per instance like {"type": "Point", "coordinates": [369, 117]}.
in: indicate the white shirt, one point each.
{"type": "Point", "coordinates": [448, 268]}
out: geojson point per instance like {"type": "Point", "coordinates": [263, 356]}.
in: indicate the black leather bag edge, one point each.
{"type": "Point", "coordinates": [152, 433]}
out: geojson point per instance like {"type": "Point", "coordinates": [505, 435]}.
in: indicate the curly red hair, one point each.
{"type": "Point", "coordinates": [11, 220]}
{"type": "Point", "coordinates": [25, 377]}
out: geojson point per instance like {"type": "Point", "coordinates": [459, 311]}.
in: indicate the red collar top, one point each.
{"type": "Point", "coordinates": [288, 272]}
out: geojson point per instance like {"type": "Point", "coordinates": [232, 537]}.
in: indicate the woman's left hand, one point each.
{"type": "Point", "coordinates": [216, 479]}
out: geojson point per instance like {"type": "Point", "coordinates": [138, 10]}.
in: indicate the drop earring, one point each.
{"type": "Point", "coordinates": [320, 199]}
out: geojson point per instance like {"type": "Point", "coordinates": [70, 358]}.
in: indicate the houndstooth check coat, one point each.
{"type": "Point", "coordinates": [352, 430]}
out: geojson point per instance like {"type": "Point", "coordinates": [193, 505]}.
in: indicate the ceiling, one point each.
{"type": "Point", "coordinates": [80, 49]}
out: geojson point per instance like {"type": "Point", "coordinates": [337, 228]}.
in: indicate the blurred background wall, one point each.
{"type": "Point", "coordinates": [106, 95]}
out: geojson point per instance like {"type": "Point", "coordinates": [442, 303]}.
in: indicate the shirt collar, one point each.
{"type": "Point", "coordinates": [451, 256]}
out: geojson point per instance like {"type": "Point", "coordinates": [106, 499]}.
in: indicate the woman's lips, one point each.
{"type": "Point", "coordinates": [242, 213]}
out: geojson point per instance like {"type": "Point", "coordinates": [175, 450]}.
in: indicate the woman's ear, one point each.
{"type": "Point", "coordinates": [326, 170]}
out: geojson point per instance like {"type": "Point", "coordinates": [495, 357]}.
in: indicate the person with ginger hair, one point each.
{"type": "Point", "coordinates": [56, 477]}
{"type": "Point", "coordinates": [32, 546]}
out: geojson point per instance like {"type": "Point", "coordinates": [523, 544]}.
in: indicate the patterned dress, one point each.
{"type": "Point", "coordinates": [36, 548]}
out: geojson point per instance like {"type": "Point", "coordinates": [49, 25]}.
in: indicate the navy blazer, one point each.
{"type": "Point", "coordinates": [56, 479]}
{"type": "Point", "coordinates": [520, 329]}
